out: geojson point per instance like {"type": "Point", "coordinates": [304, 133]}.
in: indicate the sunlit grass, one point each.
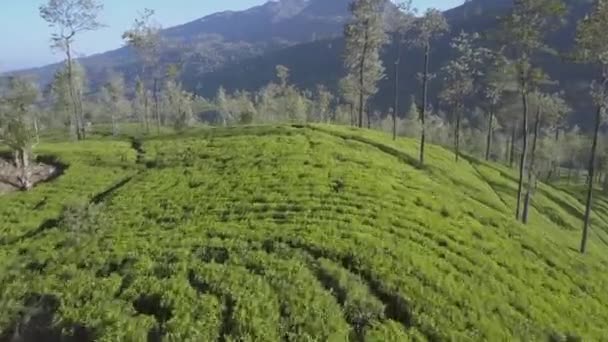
{"type": "Point", "coordinates": [268, 233]}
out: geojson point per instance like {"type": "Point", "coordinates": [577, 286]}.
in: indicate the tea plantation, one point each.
{"type": "Point", "coordinates": [293, 233]}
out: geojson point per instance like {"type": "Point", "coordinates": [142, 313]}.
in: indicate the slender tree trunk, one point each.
{"type": "Point", "coordinates": [550, 174]}
{"type": "Point", "coordinates": [36, 129]}
{"type": "Point", "coordinates": [362, 79]}
{"type": "Point", "coordinates": [425, 80]}
{"type": "Point", "coordinates": [72, 92]}
{"type": "Point", "coordinates": [16, 159]}
{"type": "Point", "coordinates": [490, 131]}
{"type": "Point", "coordinates": [555, 163]}
{"type": "Point", "coordinates": [524, 151]}
{"type": "Point", "coordinates": [531, 171]}
{"type": "Point", "coordinates": [569, 175]}
{"type": "Point", "coordinates": [457, 134]}
{"type": "Point", "coordinates": [598, 118]}
{"type": "Point", "coordinates": [507, 149]}
{"type": "Point", "coordinates": [146, 112]}
{"type": "Point", "coordinates": [25, 179]}
{"type": "Point", "coordinates": [83, 129]}
{"type": "Point", "coordinates": [146, 102]}
{"type": "Point", "coordinates": [353, 121]}
{"type": "Point", "coordinates": [369, 118]}
{"type": "Point", "coordinates": [157, 105]}
{"type": "Point", "coordinates": [512, 150]}
{"type": "Point", "coordinates": [143, 78]}
{"type": "Point", "coordinates": [598, 122]}
{"type": "Point", "coordinates": [114, 128]}
{"type": "Point", "coordinates": [396, 108]}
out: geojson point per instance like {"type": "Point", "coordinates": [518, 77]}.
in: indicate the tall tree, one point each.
{"type": "Point", "coordinates": [460, 75]}
{"type": "Point", "coordinates": [322, 104]}
{"type": "Point", "coordinates": [398, 24]}
{"type": "Point", "coordinates": [428, 28]}
{"type": "Point", "coordinates": [113, 98]}
{"type": "Point", "coordinates": [16, 128]}
{"type": "Point", "coordinates": [145, 38]}
{"type": "Point", "coordinates": [364, 37]}
{"type": "Point", "coordinates": [524, 31]}
{"type": "Point", "coordinates": [558, 153]}
{"type": "Point", "coordinates": [70, 18]}
{"type": "Point", "coordinates": [348, 94]}
{"type": "Point", "coordinates": [62, 90]}
{"type": "Point", "coordinates": [592, 48]}
{"type": "Point", "coordinates": [61, 101]}
{"type": "Point", "coordinates": [221, 102]}
{"type": "Point", "coordinates": [140, 108]}
{"type": "Point", "coordinates": [573, 142]}
{"type": "Point", "coordinates": [498, 80]}
{"type": "Point", "coordinates": [283, 75]}
{"type": "Point", "coordinates": [548, 108]}
{"type": "Point", "coordinates": [179, 105]}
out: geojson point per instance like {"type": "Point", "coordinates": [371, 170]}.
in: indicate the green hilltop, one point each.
{"type": "Point", "coordinates": [293, 233]}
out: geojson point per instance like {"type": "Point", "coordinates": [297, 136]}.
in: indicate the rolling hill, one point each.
{"type": "Point", "coordinates": [293, 233]}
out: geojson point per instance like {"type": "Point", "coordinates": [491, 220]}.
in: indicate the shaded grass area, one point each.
{"type": "Point", "coordinates": [90, 167]}
{"type": "Point", "coordinates": [299, 233]}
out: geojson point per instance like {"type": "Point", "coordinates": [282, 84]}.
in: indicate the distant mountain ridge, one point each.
{"type": "Point", "coordinates": [284, 20]}
{"type": "Point", "coordinates": [239, 49]}
{"type": "Point", "coordinates": [320, 62]}
{"type": "Point", "coordinates": [226, 36]}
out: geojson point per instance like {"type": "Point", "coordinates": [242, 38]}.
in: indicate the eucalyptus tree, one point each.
{"type": "Point", "coordinates": [498, 81]}
{"type": "Point", "coordinates": [592, 49]}
{"type": "Point", "coordinates": [145, 38]}
{"type": "Point", "coordinates": [460, 76]}
{"type": "Point", "coordinates": [282, 73]}
{"type": "Point", "coordinates": [549, 107]}
{"type": "Point", "coordinates": [323, 100]}
{"type": "Point", "coordinates": [60, 99]}
{"type": "Point", "coordinates": [179, 104]}
{"type": "Point", "coordinates": [348, 95]}
{"type": "Point", "coordinates": [65, 84]}
{"type": "Point", "coordinates": [140, 101]}
{"type": "Point", "coordinates": [70, 18]}
{"type": "Point", "coordinates": [221, 103]}
{"type": "Point", "coordinates": [113, 98]}
{"type": "Point", "coordinates": [364, 38]}
{"type": "Point", "coordinates": [428, 28]}
{"type": "Point", "coordinates": [398, 23]}
{"type": "Point", "coordinates": [289, 103]}
{"type": "Point", "coordinates": [558, 124]}
{"type": "Point", "coordinates": [573, 142]}
{"type": "Point", "coordinates": [524, 31]}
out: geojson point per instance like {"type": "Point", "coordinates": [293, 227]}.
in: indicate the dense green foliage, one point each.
{"type": "Point", "coordinates": [299, 233]}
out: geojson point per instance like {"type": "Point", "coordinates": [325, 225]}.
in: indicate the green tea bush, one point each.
{"type": "Point", "coordinates": [297, 233]}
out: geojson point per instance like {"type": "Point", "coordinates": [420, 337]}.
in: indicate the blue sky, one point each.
{"type": "Point", "coordinates": [25, 37]}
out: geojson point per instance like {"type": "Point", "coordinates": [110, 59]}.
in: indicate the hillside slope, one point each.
{"type": "Point", "coordinates": [298, 233]}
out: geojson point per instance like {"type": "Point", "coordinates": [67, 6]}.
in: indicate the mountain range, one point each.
{"type": "Point", "coordinates": [240, 49]}
{"type": "Point", "coordinates": [208, 43]}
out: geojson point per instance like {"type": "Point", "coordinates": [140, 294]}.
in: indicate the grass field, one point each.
{"type": "Point", "coordinates": [293, 233]}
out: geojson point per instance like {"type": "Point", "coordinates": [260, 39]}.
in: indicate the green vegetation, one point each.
{"type": "Point", "coordinates": [299, 230]}
{"type": "Point", "coordinates": [298, 233]}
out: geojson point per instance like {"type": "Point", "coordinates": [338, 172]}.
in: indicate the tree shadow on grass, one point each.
{"type": "Point", "coordinates": [35, 323]}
